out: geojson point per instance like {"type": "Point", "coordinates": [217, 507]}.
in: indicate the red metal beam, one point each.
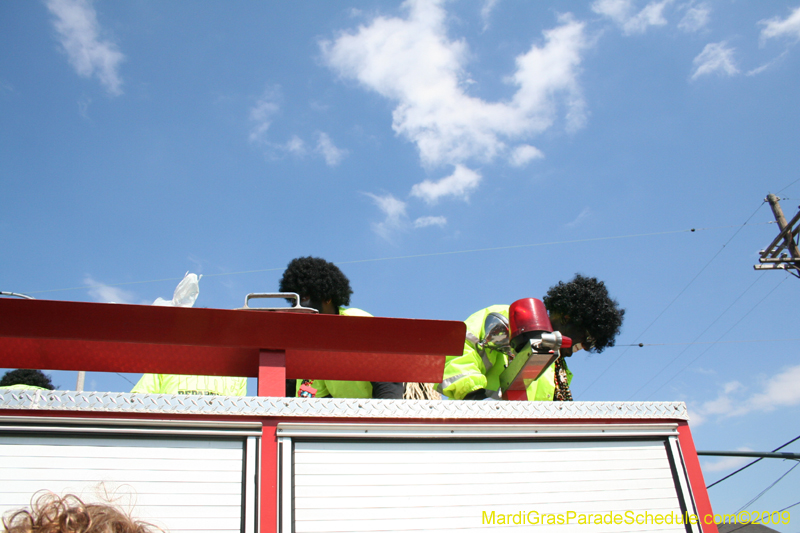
{"type": "Point", "coordinates": [55, 335]}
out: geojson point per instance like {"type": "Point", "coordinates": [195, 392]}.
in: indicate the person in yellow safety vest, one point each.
{"type": "Point", "coordinates": [323, 286]}
{"type": "Point", "coordinates": [24, 378]}
{"type": "Point", "coordinates": [580, 309]}
{"type": "Point", "coordinates": [182, 384]}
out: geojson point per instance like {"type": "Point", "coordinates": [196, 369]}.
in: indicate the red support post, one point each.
{"type": "Point", "coordinates": [269, 476]}
{"type": "Point", "coordinates": [692, 462]}
{"type": "Point", "coordinates": [272, 373]}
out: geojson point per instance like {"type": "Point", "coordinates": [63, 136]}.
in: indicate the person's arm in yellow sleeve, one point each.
{"type": "Point", "coordinates": [463, 374]}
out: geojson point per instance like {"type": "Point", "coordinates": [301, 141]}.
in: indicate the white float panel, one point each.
{"type": "Point", "coordinates": [179, 484]}
{"type": "Point", "coordinates": [448, 485]}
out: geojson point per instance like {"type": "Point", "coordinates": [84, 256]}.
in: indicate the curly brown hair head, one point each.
{"type": "Point", "coordinates": [585, 302]}
{"type": "Point", "coordinates": [317, 279]}
{"type": "Point", "coordinates": [51, 513]}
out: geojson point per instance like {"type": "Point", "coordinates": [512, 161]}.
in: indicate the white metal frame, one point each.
{"type": "Point", "coordinates": [288, 433]}
{"type": "Point", "coordinates": [97, 427]}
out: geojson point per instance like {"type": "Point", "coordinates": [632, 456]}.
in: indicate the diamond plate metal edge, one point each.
{"type": "Point", "coordinates": [255, 406]}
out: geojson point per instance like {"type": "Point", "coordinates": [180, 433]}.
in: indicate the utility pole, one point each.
{"type": "Point", "coordinates": [775, 256]}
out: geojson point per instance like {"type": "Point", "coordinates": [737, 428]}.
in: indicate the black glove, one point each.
{"type": "Point", "coordinates": [478, 395]}
{"type": "Point", "coordinates": [387, 390]}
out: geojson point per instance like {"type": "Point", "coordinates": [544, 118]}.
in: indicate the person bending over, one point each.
{"type": "Point", "coordinates": [580, 309]}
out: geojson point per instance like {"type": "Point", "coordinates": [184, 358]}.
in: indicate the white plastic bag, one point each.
{"type": "Point", "coordinates": [185, 293]}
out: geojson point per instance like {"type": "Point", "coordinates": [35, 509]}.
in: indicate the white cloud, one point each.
{"type": "Point", "coordinates": [583, 215]}
{"type": "Point", "coordinates": [83, 107]}
{"type": "Point", "coordinates": [414, 63]}
{"type": "Point", "coordinates": [715, 57]}
{"type": "Point", "coordinates": [261, 114]}
{"type": "Point", "coordinates": [696, 18]}
{"type": "Point", "coordinates": [333, 155]}
{"type": "Point", "coordinates": [767, 65]}
{"type": "Point", "coordinates": [777, 391]}
{"type": "Point", "coordinates": [459, 184]}
{"type": "Point", "coordinates": [777, 27]}
{"type": "Point", "coordinates": [103, 293]}
{"type": "Point", "coordinates": [621, 12]}
{"type": "Point", "coordinates": [295, 145]}
{"type": "Point", "coordinates": [728, 463]}
{"type": "Point", "coordinates": [78, 32]}
{"type": "Point", "coordinates": [523, 154]}
{"type": "Point", "coordinates": [486, 11]}
{"type": "Point", "coordinates": [424, 222]}
{"type": "Point", "coordinates": [395, 212]}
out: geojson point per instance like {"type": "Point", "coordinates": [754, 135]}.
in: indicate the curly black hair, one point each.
{"type": "Point", "coordinates": [23, 376]}
{"type": "Point", "coordinates": [318, 279]}
{"type": "Point", "coordinates": [585, 302]}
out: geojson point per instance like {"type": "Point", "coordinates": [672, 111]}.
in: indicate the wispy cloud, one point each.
{"type": "Point", "coordinates": [583, 215]}
{"type": "Point", "coordinates": [715, 57]}
{"type": "Point", "coordinates": [79, 35]}
{"type": "Point", "coordinates": [486, 11]}
{"type": "Point", "coordinates": [103, 293]}
{"type": "Point", "coordinates": [696, 18]}
{"type": "Point", "coordinates": [728, 463]}
{"type": "Point", "coordinates": [424, 222]}
{"type": "Point", "coordinates": [394, 211]}
{"type": "Point", "coordinates": [623, 13]}
{"type": "Point", "coordinates": [734, 400]}
{"type": "Point", "coordinates": [295, 145]}
{"type": "Point", "coordinates": [413, 62]}
{"type": "Point", "coordinates": [523, 154]}
{"type": "Point", "coordinates": [458, 184]}
{"type": "Point", "coordinates": [767, 65]}
{"type": "Point", "coordinates": [333, 155]}
{"type": "Point", "coordinates": [777, 27]}
{"type": "Point", "coordinates": [262, 112]}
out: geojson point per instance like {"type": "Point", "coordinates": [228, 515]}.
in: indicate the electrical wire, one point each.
{"type": "Point", "coordinates": [788, 507]}
{"type": "Point", "coordinates": [690, 363]}
{"type": "Point", "coordinates": [792, 183]}
{"type": "Point", "coordinates": [760, 494]}
{"type": "Point", "coordinates": [674, 299]}
{"type": "Point", "coordinates": [418, 256]}
{"type": "Point", "coordinates": [782, 446]}
{"type": "Point", "coordinates": [126, 379]}
{"type": "Point", "coordinates": [641, 345]}
{"type": "Point", "coordinates": [658, 373]}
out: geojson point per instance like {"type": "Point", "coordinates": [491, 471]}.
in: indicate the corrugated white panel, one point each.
{"type": "Point", "coordinates": [178, 484]}
{"type": "Point", "coordinates": [447, 485]}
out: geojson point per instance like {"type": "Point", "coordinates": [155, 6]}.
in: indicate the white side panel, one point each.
{"type": "Point", "coordinates": [382, 485]}
{"type": "Point", "coordinates": [178, 484]}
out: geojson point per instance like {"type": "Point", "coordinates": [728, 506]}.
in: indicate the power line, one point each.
{"type": "Point", "coordinates": [792, 183]}
{"type": "Point", "coordinates": [674, 299]}
{"type": "Point", "coordinates": [760, 494]}
{"type": "Point", "coordinates": [707, 342]}
{"type": "Point", "coordinates": [126, 379]}
{"type": "Point", "coordinates": [658, 373]}
{"type": "Point", "coordinates": [415, 256]}
{"type": "Point", "coordinates": [752, 463]}
{"type": "Point", "coordinates": [690, 363]}
{"type": "Point", "coordinates": [788, 507]}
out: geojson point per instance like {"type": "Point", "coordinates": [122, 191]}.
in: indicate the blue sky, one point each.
{"type": "Point", "coordinates": [448, 156]}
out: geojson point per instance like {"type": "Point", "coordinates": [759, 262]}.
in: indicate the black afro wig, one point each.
{"type": "Point", "coordinates": [585, 302]}
{"type": "Point", "coordinates": [318, 279]}
{"type": "Point", "coordinates": [23, 376]}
